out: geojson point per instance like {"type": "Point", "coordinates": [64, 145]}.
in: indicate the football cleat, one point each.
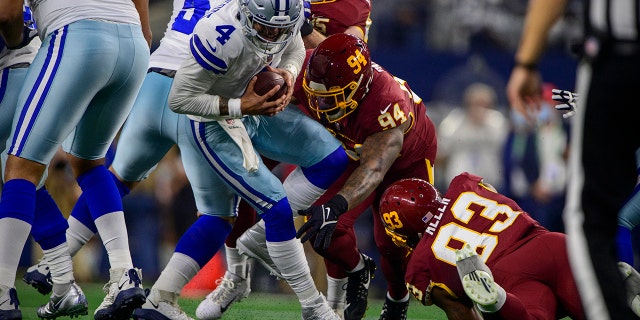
{"type": "Point", "coordinates": [123, 295]}
{"type": "Point", "coordinates": [72, 304]}
{"type": "Point", "coordinates": [477, 280]}
{"type": "Point", "coordinates": [392, 310]}
{"type": "Point", "coordinates": [161, 305]}
{"type": "Point", "coordinates": [358, 289]}
{"type": "Point", "coordinates": [39, 277]}
{"type": "Point", "coordinates": [9, 304]}
{"type": "Point", "coordinates": [632, 284]}
{"type": "Point", "coordinates": [231, 288]}
{"type": "Point", "coordinates": [253, 243]}
{"type": "Point", "coordinates": [318, 310]}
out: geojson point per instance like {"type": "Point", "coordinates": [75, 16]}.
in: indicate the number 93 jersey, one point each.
{"type": "Point", "coordinates": [471, 213]}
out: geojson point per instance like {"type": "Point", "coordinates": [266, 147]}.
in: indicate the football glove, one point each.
{"type": "Point", "coordinates": [568, 101]}
{"type": "Point", "coordinates": [322, 221]}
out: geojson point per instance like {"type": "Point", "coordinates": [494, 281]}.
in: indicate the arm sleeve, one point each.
{"type": "Point", "coordinates": [193, 80]}
{"type": "Point", "coordinates": [293, 56]}
{"type": "Point", "coordinates": [188, 93]}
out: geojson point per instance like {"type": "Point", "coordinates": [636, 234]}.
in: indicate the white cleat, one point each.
{"type": "Point", "coordinates": [123, 295]}
{"type": "Point", "coordinates": [161, 305]}
{"type": "Point", "coordinates": [319, 310]}
{"type": "Point", "coordinates": [231, 288]}
{"type": "Point", "coordinates": [253, 244]}
{"type": "Point", "coordinates": [476, 278]}
{"type": "Point", "coordinates": [632, 284]}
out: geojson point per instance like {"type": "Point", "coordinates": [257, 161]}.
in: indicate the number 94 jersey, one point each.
{"type": "Point", "coordinates": [471, 213]}
{"type": "Point", "coordinates": [389, 103]}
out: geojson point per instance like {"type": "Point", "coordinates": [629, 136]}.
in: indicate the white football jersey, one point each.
{"type": "Point", "coordinates": [223, 61]}
{"type": "Point", "coordinates": [23, 55]}
{"type": "Point", "coordinates": [54, 14]}
{"type": "Point", "coordinates": [174, 46]}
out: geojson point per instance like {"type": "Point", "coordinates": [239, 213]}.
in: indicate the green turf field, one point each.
{"type": "Point", "coordinates": [260, 306]}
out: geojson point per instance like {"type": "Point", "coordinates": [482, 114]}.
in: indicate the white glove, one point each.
{"type": "Point", "coordinates": [568, 101]}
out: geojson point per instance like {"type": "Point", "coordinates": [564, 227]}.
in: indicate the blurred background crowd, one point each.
{"type": "Point", "coordinates": [457, 56]}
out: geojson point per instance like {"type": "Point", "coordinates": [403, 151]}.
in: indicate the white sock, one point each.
{"type": "Point", "coordinates": [113, 232]}
{"type": "Point", "coordinates": [236, 263]}
{"type": "Point", "coordinates": [61, 268]}
{"type": "Point", "coordinates": [77, 235]}
{"type": "Point", "coordinates": [336, 292]}
{"type": "Point", "coordinates": [14, 233]}
{"type": "Point", "coordinates": [178, 272]}
{"type": "Point", "coordinates": [301, 193]}
{"type": "Point", "coordinates": [289, 257]}
{"type": "Point", "coordinates": [404, 299]}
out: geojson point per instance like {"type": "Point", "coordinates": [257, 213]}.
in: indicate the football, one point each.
{"type": "Point", "coordinates": [266, 81]}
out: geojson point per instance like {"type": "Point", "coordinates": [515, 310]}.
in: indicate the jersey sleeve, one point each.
{"type": "Point", "coordinates": [205, 47]}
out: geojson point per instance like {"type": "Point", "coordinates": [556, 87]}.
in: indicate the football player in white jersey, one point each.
{"type": "Point", "coordinates": [13, 70]}
{"type": "Point", "coordinates": [96, 53]}
{"type": "Point", "coordinates": [146, 145]}
{"type": "Point", "coordinates": [238, 39]}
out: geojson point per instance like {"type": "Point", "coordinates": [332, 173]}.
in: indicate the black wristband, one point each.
{"type": "Point", "coordinates": [339, 203]}
{"type": "Point", "coordinates": [531, 66]}
{"type": "Point", "coordinates": [306, 28]}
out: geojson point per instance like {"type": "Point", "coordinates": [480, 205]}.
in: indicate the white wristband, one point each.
{"type": "Point", "coordinates": [235, 108]}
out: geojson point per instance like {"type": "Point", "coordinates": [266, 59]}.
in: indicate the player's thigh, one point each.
{"type": "Point", "coordinates": [11, 81]}
{"type": "Point", "coordinates": [292, 137]}
{"type": "Point", "coordinates": [111, 105]}
{"type": "Point", "coordinates": [212, 195]}
{"type": "Point", "coordinates": [261, 189]}
{"type": "Point", "coordinates": [149, 132]}
{"type": "Point", "coordinates": [74, 64]}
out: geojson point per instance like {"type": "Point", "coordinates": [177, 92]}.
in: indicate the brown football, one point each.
{"type": "Point", "coordinates": [266, 81]}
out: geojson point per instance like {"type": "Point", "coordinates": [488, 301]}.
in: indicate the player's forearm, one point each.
{"type": "Point", "coordinates": [294, 56]}
{"type": "Point", "coordinates": [143, 10]}
{"type": "Point", "coordinates": [313, 39]}
{"type": "Point", "coordinates": [541, 16]}
{"type": "Point", "coordinates": [379, 152]}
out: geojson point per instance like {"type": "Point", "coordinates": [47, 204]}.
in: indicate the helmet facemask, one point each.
{"type": "Point", "coordinates": [269, 24]}
{"type": "Point", "coordinates": [332, 104]}
{"type": "Point", "coordinates": [337, 76]}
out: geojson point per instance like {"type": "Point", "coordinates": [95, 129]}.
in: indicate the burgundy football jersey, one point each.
{"type": "Point", "coordinates": [331, 17]}
{"type": "Point", "coordinates": [471, 213]}
{"type": "Point", "coordinates": [389, 103]}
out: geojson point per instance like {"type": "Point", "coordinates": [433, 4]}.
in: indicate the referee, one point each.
{"type": "Point", "coordinates": [606, 133]}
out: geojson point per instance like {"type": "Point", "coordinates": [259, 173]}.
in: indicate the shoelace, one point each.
{"type": "Point", "coordinates": [359, 283]}
{"type": "Point", "coordinates": [225, 284]}
{"type": "Point", "coordinates": [111, 294]}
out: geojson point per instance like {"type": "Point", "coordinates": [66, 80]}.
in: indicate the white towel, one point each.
{"type": "Point", "coordinates": [236, 130]}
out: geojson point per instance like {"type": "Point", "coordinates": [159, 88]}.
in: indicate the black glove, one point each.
{"type": "Point", "coordinates": [322, 221]}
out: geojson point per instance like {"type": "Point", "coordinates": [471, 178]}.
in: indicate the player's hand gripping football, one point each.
{"type": "Point", "coordinates": [568, 101]}
{"type": "Point", "coordinates": [322, 221]}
